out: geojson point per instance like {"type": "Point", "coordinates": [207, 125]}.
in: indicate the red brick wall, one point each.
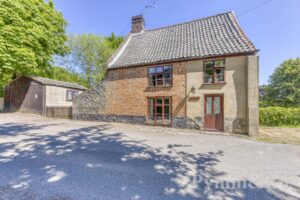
{"type": "Point", "coordinates": [127, 91]}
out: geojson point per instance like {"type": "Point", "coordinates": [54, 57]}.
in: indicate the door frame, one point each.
{"type": "Point", "coordinates": [222, 110]}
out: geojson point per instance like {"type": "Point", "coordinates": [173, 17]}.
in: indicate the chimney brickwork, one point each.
{"type": "Point", "coordinates": [138, 24]}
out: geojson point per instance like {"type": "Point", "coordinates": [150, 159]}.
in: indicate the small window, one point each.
{"type": "Point", "coordinates": [160, 76]}
{"type": "Point", "coordinates": [214, 71]}
{"type": "Point", "coordinates": [71, 94]}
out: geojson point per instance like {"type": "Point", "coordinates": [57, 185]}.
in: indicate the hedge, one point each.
{"type": "Point", "coordinates": [279, 116]}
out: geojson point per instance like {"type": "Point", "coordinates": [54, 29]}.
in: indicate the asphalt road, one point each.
{"type": "Point", "coordinates": [53, 159]}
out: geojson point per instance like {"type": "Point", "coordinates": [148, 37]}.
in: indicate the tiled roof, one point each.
{"type": "Point", "coordinates": [212, 36]}
{"type": "Point", "coordinates": [47, 81]}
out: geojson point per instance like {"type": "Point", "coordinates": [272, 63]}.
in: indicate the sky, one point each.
{"type": "Point", "coordinates": [272, 25]}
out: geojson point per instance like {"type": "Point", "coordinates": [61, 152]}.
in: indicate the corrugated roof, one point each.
{"type": "Point", "coordinates": [212, 36]}
{"type": "Point", "coordinates": [47, 81]}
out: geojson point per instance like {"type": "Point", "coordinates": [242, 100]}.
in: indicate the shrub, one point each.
{"type": "Point", "coordinates": [279, 116]}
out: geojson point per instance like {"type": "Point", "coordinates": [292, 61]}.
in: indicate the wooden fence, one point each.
{"type": "Point", "coordinates": [59, 112]}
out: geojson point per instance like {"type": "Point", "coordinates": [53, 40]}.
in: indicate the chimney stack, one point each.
{"type": "Point", "coordinates": [138, 24]}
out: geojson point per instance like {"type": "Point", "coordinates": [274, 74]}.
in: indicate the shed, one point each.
{"type": "Point", "coordinates": [32, 94]}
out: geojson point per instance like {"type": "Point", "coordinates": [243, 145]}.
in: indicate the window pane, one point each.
{"type": "Point", "coordinates": [151, 101]}
{"type": "Point", "coordinates": [208, 105]}
{"type": "Point", "coordinates": [167, 101]}
{"type": "Point", "coordinates": [159, 101]}
{"type": "Point", "coordinates": [167, 81]}
{"type": "Point", "coordinates": [209, 64]}
{"type": "Point", "coordinates": [159, 69]}
{"type": "Point", "coordinates": [167, 109]}
{"type": "Point", "coordinates": [159, 79]}
{"type": "Point", "coordinates": [219, 63]}
{"type": "Point", "coordinates": [159, 115]}
{"type": "Point", "coordinates": [167, 69]}
{"type": "Point", "coordinates": [217, 105]}
{"type": "Point", "coordinates": [219, 75]}
{"type": "Point", "coordinates": [167, 75]}
{"type": "Point", "coordinates": [151, 70]}
{"type": "Point", "coordinates": [151, 110]}
{"type": "Point", "coordinates": [208, 72]}
{"type": "Point", "coordinates": [208, 79]}
{"type": "Point", "coordinates": [152, 80]}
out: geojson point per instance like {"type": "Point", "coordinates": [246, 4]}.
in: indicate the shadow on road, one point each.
{"type": "Point", "coordinates": [93, 163]}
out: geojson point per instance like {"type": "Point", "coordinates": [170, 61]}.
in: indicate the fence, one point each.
{"type": "Point", "coordinates": [59, 112]}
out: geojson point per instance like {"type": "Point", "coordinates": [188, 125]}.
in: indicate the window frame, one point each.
{"type": "Point", "coordinates": [163, 76]}
{"type": "Point", "coordinates": [163, 110]}
{"type": "Point", "coordinates": [214, 71]}
{"type": "Point", "coordinates": [72, 91]}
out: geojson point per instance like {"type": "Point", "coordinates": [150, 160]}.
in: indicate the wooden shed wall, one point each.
{"type": "Point", "coordinates": [24, 95]}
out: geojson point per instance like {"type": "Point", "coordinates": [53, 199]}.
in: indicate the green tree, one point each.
{"type": "Point", "coordinates": [63, 74]}
{"type": "Point", "coordinates": [90, 52]}
{"type": "Point", "coordinates": [31, 32]}
{"type": "Point", "coordinates": [284, 85]}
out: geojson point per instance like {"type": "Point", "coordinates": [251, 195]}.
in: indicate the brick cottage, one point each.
{"type": "Point", "coordinates": [201, 74]}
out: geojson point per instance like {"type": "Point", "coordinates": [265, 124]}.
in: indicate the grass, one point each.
{"type": "Point", "coordinates": [281, 135]}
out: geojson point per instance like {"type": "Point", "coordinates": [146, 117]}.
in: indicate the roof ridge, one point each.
{"type": "Point", "coordinates": [182, 23]}
{"type": "Point", "coordinates": [53, 79]}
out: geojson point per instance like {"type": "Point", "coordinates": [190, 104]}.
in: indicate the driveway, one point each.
{"type": "Point", "coordinates": [54, 159]}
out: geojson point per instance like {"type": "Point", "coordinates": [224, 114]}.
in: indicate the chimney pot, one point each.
{"type": "Point", "coordinates": [138, 24]}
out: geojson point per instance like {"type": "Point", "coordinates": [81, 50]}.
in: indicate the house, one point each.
{"type": "Point", "coordinates": [37, 95]}
{"type": "Point", "coordinates": [201, 74]}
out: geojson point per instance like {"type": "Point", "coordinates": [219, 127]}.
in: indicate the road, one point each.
{"type": "Point", "coordinates": [54, 159]}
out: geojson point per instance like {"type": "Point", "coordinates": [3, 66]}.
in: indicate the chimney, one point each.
{"type": "Point", "coordinates": [138, 24]}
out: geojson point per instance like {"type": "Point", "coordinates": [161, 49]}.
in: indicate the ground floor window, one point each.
{"type": "Point", "coordinates": [159, 110]}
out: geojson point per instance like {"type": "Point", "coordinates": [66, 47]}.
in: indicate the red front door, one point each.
{"type": "Point", "coordinates": [213, 112]}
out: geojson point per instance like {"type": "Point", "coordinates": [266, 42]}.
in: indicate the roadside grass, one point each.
{"type": "Point", "coordinates": [281, 135]}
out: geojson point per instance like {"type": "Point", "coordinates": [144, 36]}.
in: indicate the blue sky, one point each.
{"type": "Point", "coordinates": [273, 27]}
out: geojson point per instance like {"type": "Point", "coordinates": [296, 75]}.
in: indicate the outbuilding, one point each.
{"type": "Point", "coordinates": [37, 95]}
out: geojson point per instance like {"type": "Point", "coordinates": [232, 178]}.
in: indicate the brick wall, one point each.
{"type": "Point", "coordinates": [126, 91]}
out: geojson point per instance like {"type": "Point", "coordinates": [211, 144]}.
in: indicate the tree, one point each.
{"type": "Point", "coordinates": [31, 32]}
{"type": "Point", "coordinates": [62, 74]}
{"type": "Point", "coordinates": [90, 52]}
{"type": "Point", "coordinates": [284, 85]}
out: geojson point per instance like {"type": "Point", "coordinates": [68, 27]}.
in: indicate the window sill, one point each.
{"type": "Point", "coordinates": [219, 83]}
{"type": "Point", "coordinates": [160, 86]}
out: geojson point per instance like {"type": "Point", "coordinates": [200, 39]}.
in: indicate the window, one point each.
{"type": "Point", "coordinates": [71, 94]}
{"type": "Point", "coordinates": [160, 76]}
{"type": "Point", "coordinates": [214, 71]}
{"type": "Point", "coordinates": [159, 110]}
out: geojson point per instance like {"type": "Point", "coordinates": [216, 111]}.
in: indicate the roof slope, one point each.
{"type": "Point", "coordinates": [47, 81]}
{"type": "Point", "coordinates": [211, 36]}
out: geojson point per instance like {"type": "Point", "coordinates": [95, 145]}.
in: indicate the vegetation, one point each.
{"type": "Point", "coordinates": [90, 53]}
{"type": "Point", "coordinates": [284, 87]}
{"type": "Point", "coordinates": [63, 74]}
{"type": "Point", "coordinates": [279, 116]}
{"type": "Point", "coordinates": [31, 32]}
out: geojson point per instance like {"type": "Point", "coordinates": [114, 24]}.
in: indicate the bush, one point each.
{"type": "Point", "coordinates": [279, 116]}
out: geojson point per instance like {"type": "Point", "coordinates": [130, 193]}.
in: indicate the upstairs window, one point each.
{"type": "Point", "coordinates": [214, 71]}
{"type": "Point", "coordinates": [160, 76]}
{"type": "Point", "coordinates": [71, 94]}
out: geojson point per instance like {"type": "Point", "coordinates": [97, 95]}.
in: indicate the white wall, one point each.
{"type": "Point", "coordinates": [1, 104]}
{"type": "Point", "coordinates": [56, 96]}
